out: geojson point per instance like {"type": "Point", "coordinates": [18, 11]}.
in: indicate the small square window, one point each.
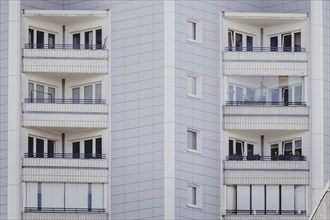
{"type": "Point", "coordinates": [194, 196]}
{"type": "Point", "coordinates": [192, 140]}
{"type": "Point", "coordinates": [194, 85]}
{"type": "Point", "coordinates": [194, 31]}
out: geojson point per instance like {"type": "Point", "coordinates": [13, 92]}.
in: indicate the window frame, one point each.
{"type": "Point", "coordinates": [198, 141]}
{"type": "Point", "coordinates": [198, 79]}
{"type": "Point", "coordinates": [199, 196]}
{"type": "Point", "coordinates": [198, 30]}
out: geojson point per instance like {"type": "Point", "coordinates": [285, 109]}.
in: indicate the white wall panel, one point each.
{"type": "Point", "coordinates": [272, 197]}
{"type": "Point", "coordinates": [299, 198]}
{"type": "Point", "coordinates": [76, 195]}
{"type": "Point", "coordinates": [231, 197]}
{"type": "Point", "coordinates": [53, 195]}
{"type": "Point", "coordinates": [97, 196]}
{"type": "Point", "coordinates": [258, 197]}
{"type": "Point", "coordinates": [243, 197]}
{"type": "Point", "coordinates": [287, 200]}
{"type": "Point", "coordinates": [32, 194]}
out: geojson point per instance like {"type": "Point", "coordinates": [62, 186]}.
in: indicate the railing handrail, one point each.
{"type": "Point", "coordinates": [266, 158]}
{"type": "Point", "coordinates": [64, 210]}
{"type": "Point", "coordinates": [269, 103]}
{"type": "Point", "coordinates": [265, 212]}
{"type": "Point", "coordinates": [66, 46]}
{"type": "Point", "coordinates": [64, 101]}
{"type": "Point", "coordinates": [265, 49]}
{"type": "Point", "coordinates": [65, 155]}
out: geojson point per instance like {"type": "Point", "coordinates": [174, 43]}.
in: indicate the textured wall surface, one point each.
{"type": "Point", "coordinates": [3, 106]}
{"type": "Point", "coordinates": [137, 163]}
{"type": "Point", "coordinates": [326, 78]}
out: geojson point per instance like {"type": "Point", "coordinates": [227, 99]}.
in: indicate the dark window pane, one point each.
{"type": "Point", "coordinates": [98, 147]}
{"type": "Point", "coordinates": [40, 148]}
{"type": "Point", "coordinates": [99, 39]}
{"type": "Point", "coordinates": [51, 148]}
{"type": "Point", "coordinates": [297, 42]}
{"type": "Point", "coordinates": [40, 39]}
{"type": "Point", "coordinates": [51, 41]}
{"type": "Point", "coordinates": [88, 148]}
{"type": "Point", "coordinates": [239, 42]}
{"type": "Point", "coordinates": [31, 38]}
{"type": "Point", "coordinates": [287, 42]}
{"type": "Point", "coordinates": [76, 150]}
{"type": "Point", "coordinates": [231, 147]}
{"type": "Point", "coordinates": [249, 43]}
{"type": "Point", "coordinates": [30, 147]}
{"type": "Point", "coordinates": [76, 41]}
{"type": "Point", "coordinates": [273, 43]}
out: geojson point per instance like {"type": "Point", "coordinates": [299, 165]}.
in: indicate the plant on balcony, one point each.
{"type": "Point", "coordinates": [235, 157]}
{"type": "Point", "coordinates": [253, 157]}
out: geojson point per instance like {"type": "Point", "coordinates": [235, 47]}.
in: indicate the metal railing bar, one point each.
{"type": "Point", "coordinates": [63, 210]}
{"type": "Point", "coordinates": [65, 155]}
{"type": "Point", "coordinates": [265, 49]}
{"type": "Point", "coordinates": [266, 158]}
{"type": "Point", "coordinates": [271, 103]}
{"type": "Point", "coordinates": [66, 46]}
{"type": "Point", "coordinates": [64, 101]}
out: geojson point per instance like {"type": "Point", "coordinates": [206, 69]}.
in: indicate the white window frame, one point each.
{"type": "Point", "coordinates": [82, 35]}
{"type": "Point", "coordinates": [198, 141]}
{"type": "Point", "coordinates": [46, 32]}
{"type": "Point", "coordinates": [46, 86]}
{"type": "Point", "coordinates": [281, 145]}
{"type": "Point", "coordinates": [280, 38]}
{"type": "Point", "coordinates": [199, 196]}
{"type": "Point", "coordinates": [244, 40]}
{"type": "Point", "coordinates": [198, 29]}
{"type": "Point", "coordinates": [45, 139]}
{"type": "Point", "coordinates": [82, 144]}
{"type": "Point", "coordinates": [82, 86]}
{"type": "Point", "coordinates": [198, 86]}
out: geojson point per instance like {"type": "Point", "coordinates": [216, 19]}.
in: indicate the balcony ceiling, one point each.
{"type": "Point", "coordinates": [265, 19]}
{"type": "Point", "coordinates": [65, 17]}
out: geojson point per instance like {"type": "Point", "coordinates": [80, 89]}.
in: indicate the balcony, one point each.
{"type": "Point", "coordinates": [265, 214]}
{"type": "Point", "coordinates": [65, 113]}
{"type": "Point", "coordinates": [245, 115]}
{"type": "Point", "coordinates": [276, 170]}
{"type": "Point", "coordinates": [65, 167]}
{"type": "Point", "coordinates": [261, 61]}
{"type": "Point", "coordinates": [35, 213]}
{"type": "Point", "coordinates": [65, 58]}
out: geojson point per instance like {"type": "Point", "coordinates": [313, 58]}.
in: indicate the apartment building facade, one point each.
{"type": "Point", "coordinates": [164, 109]}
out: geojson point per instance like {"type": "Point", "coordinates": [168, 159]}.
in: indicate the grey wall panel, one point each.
{"type": "Point", "coordinates": [326, 76]}
{"type": "Point", "coordinates": [3, 107]}
{"type": "Point", "coordinates": [42, 4]}
{"type": "Point", "coordinates": [137, 73]}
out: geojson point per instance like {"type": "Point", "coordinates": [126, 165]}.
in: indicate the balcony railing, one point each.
{"type": "Point", "coordinates": [65, 155]}
{"type": "Point", "coordinates": [264, 103]}
{"type": "Point", "coordinates": [267, 158]}
{"type": "Point", "coordinates": [65, 46]}
{"type": "Point", "coordinates": [265, 49]}
{"type": "Point", "coordinates": [63, 210]}
{"type": "Point", "coordinates": [64, 101]}
{"type": "Point", "coordinates": [266, 212]}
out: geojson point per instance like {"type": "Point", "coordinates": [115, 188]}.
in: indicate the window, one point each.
{"type": "Point", "coordinates": [193, 141]}
{"type": "Point", "coordinates": [194, 196]}
{"type": "Point", "coordinates": [88, 93]}
{"type": "Point", "coordinates": [41, 39]}
{"type": "Point", "coordinates": [88, 148]}
{"type": "Point", "coordinates": [238, 41]}
{"type": "Point", "coordinates": [289, 42]}
{"type": "Point", "coordinates": [41, 147]}
{"type": "Point", "coordinates": [41, 93]}
{"type": "Point", "coordinates": [194, 85]}
{"type": "Point", "coordinates": [285, 150]}
{"type": "Point", "coordinates": [194, 31]}
{"type": "Point", "coordinates": [236, 147]}
{"type": "Point", "coordinates": [91, 39]}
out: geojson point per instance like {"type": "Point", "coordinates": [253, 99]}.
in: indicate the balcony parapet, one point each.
{"type": "Point", "coordinates": [63, 216]}
{"type": "Point", "coordinates": [76, 115]}
{"type": "Point", "coordinates": [65, 60]}
{"type": "Point", "coordinates": [42, 169]}
{"type": "Point", "coordinates": [265, 62]}
{"type": "Point", "coordinates": [265, 117]}
{"type": "Point", "coordinates": [243, 172]}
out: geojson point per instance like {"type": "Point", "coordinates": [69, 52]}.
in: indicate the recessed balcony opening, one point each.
{"type": "Point", "coordinates": [265, 200]}
{"type": "Point", "coordinates": [276, 91]}
{"type": "Point", "coordinates": [265, 149]}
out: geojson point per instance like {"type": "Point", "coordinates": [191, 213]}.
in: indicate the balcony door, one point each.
{"type": "Point", "coordinates": [76, 150]}
{"type": "Point", "coordinates": [287, 42]}
{"type": "Point", "coordinates": [274, 43]}
{"type": "Point", "coordinates": [89, 148]}
{"type": "Point", "coordinates": [51, 41]}
{"type": "Point", "coordinates": [40, 39]}
{"type": "Point", "coordinates": [89, 40]}
{"type": "Point", "coordinates": [76, 41]}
